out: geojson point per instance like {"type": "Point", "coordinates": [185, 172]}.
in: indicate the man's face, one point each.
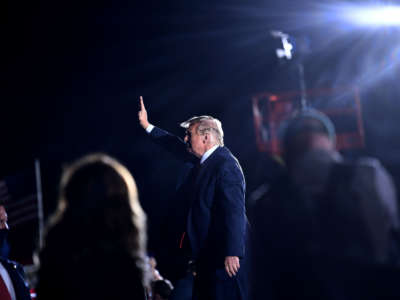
{"type": "Point", "coordinates": [194, 141]}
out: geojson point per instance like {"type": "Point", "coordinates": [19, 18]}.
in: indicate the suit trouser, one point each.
{"type": "Point", "coordinates": [215, 284]}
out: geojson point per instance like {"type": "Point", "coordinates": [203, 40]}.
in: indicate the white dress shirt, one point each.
{"type": "Point", "coordinates": [208, 153]}
{"type": "Point", "coordinates": [149, 128]}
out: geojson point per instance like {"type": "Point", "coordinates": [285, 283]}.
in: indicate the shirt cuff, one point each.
{"type": "Point", "coordinates": [149, 128]}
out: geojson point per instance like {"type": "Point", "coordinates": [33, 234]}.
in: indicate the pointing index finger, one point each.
{"type": "Point", "coordinates": [141, 103]}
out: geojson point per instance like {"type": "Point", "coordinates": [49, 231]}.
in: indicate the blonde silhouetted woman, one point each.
{"type": "Point", "coordinates": [95, 242]}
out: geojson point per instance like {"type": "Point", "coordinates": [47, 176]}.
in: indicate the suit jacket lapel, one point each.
{"type": "Point", "coordinates": [206, 164]}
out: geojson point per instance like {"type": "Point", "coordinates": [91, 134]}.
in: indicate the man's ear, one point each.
{"type": "Point", "coordinates": [205, 138]}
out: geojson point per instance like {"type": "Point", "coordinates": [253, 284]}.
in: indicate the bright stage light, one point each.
{"type": "Point", "coordinates": [286, 52]}
{"type": "Point", "coordinates": [371, 15]}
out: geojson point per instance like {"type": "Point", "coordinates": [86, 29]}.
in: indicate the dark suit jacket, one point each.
{"type": "Point", "coordinates": [216, 222]}
{"type": "Point", "coordinates": [17, 277]}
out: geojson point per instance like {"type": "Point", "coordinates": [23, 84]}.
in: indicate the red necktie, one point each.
{"type": "Point", "coordinates": [4, 293]}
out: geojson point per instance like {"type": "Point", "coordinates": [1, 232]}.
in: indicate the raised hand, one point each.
{"type": "Point", "coordinates": [3, 218]}
{"type": "Point", "coordinates": [143, 120]}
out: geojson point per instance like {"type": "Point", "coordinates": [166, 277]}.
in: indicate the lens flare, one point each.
{"type": "Point", "coordinates": [368, 15]}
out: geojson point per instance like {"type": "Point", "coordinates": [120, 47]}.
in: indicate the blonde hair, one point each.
{"type": "Point", "coordinates": [97, 193]}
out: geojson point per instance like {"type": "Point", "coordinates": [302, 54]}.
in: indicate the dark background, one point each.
{"type": "Point", "coordinates": [72, 72]}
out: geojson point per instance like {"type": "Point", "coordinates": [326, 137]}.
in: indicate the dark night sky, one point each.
{"type": "Point", "coordinates": [72, 73]}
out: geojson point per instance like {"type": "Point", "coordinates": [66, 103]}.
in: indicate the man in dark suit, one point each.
{"type": "Point", "coordinates": [215, 233]}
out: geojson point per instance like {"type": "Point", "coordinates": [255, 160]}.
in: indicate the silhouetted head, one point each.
{"type": "Point", "coordinates": [307, 130]}
{"type": "Point", "coordinates": [95, 241]}
{"type": "Point", "coordinates": [99, 201]}
{"type": "Point", "coordinates": [162, 289]}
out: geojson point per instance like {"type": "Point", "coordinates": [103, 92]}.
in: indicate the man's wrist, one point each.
{"type": "Point", "coordinates": [149, 128]}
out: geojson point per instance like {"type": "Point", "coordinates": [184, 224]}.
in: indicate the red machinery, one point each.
{"type": "Point", "coordinates": [342, 106]}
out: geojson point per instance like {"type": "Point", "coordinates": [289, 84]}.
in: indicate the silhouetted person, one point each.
{"type": "Point", "coordinates": [95, 242]}
{"type": "Point", "coordinates": [12, 277]}
{"type": "Point", "coordinates": [215, 232]}
{"type": "Point", "coordinates": [161, 289]}
{"type": "Point", "coordinates": [326, 228]}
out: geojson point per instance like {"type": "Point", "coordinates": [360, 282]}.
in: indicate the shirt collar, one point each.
{"type": "Point", "coordinates": [208, 153]}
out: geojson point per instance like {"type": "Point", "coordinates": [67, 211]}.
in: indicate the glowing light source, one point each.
{"type": "Point", "coordinates": [371, 15]}
{"type": "Point", "coordinates": [273, 98]}
{"type": "Point", "coordinates": [286, 52]}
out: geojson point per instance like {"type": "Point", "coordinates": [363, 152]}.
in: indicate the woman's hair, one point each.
{"type": "Point", "coordinates": [99, 206]}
